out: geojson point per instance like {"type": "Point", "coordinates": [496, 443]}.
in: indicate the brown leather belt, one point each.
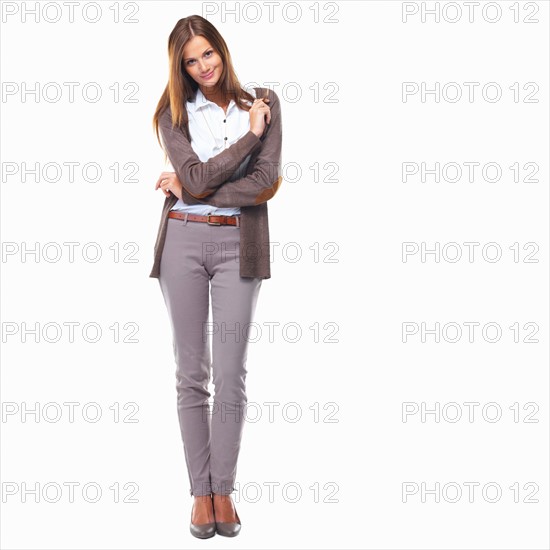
{"type": "Point", "coordinates": [211, 219]}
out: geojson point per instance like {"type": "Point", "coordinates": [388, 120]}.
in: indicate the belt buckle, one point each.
{"type": "Point", "coordinates": [211, 223]}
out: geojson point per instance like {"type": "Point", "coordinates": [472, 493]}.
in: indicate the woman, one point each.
{"type": "Point", "coordinates": [224, 144]}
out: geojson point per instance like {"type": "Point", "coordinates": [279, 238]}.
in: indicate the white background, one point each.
{"type": "Point", "coordinates": [361, 461]}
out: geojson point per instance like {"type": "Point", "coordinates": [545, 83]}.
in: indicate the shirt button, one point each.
{"type": "Point", "coordinates": [225, 138]}
{"type": "Point", "coordinates": [224, 120]}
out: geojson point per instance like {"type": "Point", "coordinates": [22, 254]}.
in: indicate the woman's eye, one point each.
{"type": "Point", "coordinates": [207, 54]}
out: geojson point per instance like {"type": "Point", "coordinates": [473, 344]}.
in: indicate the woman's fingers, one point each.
{"type": "Point", "coordinates": [164, 180]}
{"type": "Point", "coordinates": [164, 176]}
{"type": "Point", "coordinates": [261, 106]}
{"type": "Point", "coordinates": [268, 113]}
{"type": "Point", "coordinates": [159, 181]}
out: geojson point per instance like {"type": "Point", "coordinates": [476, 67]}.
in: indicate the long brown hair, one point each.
{"type": "Point", "coordinates": [181, 87]}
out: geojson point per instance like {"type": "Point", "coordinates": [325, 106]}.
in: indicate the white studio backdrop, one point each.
{"type": "Point", "coordinates": [398, 381]}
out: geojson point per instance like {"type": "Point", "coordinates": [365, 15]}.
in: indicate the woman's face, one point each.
{"type": "Point", "coordinates": [201, 60]}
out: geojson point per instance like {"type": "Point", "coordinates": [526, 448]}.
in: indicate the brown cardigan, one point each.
{"type": "Point", "coordinates": [207, 183]}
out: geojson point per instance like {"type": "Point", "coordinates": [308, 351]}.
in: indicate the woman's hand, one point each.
{"type": "Point", "coordinates": [258, 114]}
{"type": "Point", "coordinates": [169, 182]}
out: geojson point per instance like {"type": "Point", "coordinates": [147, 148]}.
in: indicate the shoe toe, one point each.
{"type": "Point", "coordinates": [203, 531]}
{"type": "Point", "coordinates": [228, 529]}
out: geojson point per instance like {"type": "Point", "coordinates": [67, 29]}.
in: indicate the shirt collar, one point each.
{"type": "Point", "coordinates": [201, 102]}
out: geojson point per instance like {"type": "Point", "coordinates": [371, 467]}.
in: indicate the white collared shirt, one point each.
{"type": "Point", "coordinates": [212, 131]}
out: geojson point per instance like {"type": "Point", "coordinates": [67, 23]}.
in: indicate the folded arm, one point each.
{"type": "Point", "coordinates": [201, 179]}
{"type": "Point", "coordinates": [264, 178]}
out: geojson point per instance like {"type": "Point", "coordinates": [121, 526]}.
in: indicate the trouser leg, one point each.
{"type": "Point", "coordinates": [233, 305]}
{"type": "Point", "coordinates": [184, 282]}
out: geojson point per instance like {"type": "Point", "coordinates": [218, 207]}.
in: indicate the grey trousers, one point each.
{"type": "Point", "coordinates": [198, 257]}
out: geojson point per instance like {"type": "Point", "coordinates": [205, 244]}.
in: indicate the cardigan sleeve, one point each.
{"type": "Point", "coordinates": [201, 179]}
{"type": "Point", "coordinates": [265, 178]}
